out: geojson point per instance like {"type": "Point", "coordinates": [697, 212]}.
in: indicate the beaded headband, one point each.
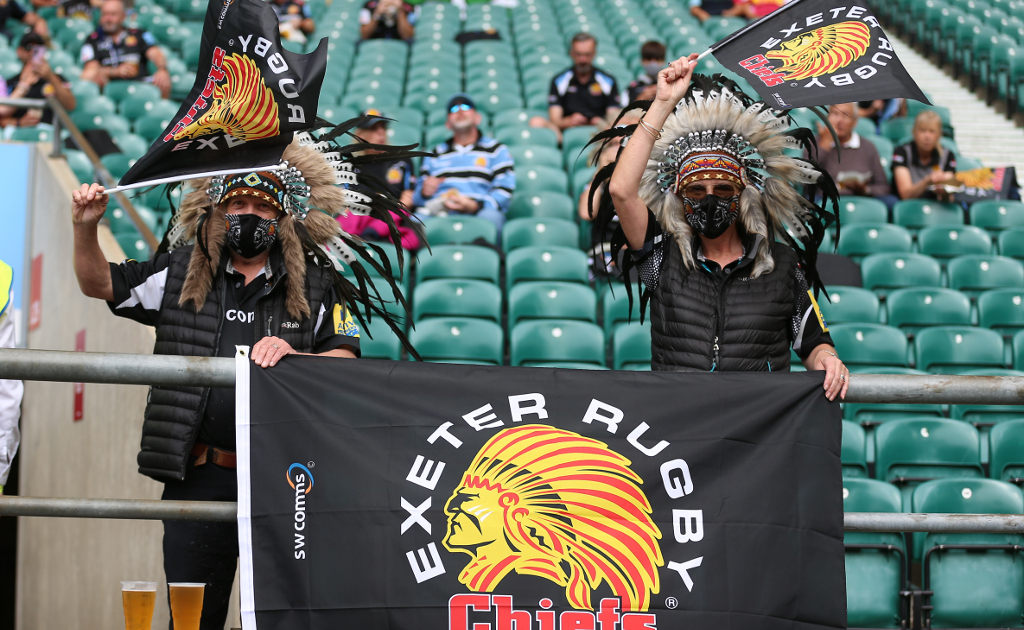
{"type": "Point", "coordinates": [708, 155]}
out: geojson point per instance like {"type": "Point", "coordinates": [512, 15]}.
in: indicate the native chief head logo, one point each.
{"type": "Point", "coordinates": [551, 503]}
{"type": "Point", "coordinates": [240, 104]}
{"type": "Point", "coordinates": [821, 51]}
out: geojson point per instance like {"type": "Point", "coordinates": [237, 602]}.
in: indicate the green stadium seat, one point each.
{"type": "Point", "coordinates": [545, 232]}
{"type": "Point", "coordinates": [985, 417]}
{"type": "Point", "coordinates": [896, 129]}
{"type": "Point", "coordinates": [80, 165]}
{"type": "Point", "coordinates": [150, 127]}
{"type": "Point", "coordinates": [545, 263]}
{"type": "Point", "coordinates": [909, 451]}
{"type": "Point", "coordinates": [121, 223]}
{"type": "Point", "coordinates": [913, 309]}
{"type": "Point", "coordinates": [615, 309]}
{"type": "Point", "coordinates": [31, 134]}
{"type": "Point", "coordinates": [403, 135]}
{"type": "Point", "coordinates": [513, 117]}
{"type": "Point", "coordinates": [457, 298]}
{"type": "Point", "coordinates": [458, 261]}
{"type": "Point", "coordinates": [972, 586]}
{"type": "Point", "coordinates": [915, 214]}
{"type": "Point", "coordinates": [876, 567]}
{"type": "Point", "coordinates": [134, 247]}
{"type": "Point", "coordinates": [854, 451]}
{"type": "Point", "coordinates": [861, 240]}
{"type": "Point", "coordinates": [541, 178]}
{"type": "Point", "coordinates": [947, 241]}
{"type": "Point", "coordinates": [862, 210]}
{"type": "Point", "coordinates": [552, 340]}
{"type": "Point", "coordinates": [1011, 243]}
{"type": "Point", "coordinates": [997, 215]}
{"type": "Point", "coordinates": [112, 123]}
{"type": "Point", "coordinates": [952, 349]}
{"type": "Point", "coordinates": [526, 155]}
{"type": "Point", "coordinates": [524, 135]}
{"type": "Point", "coordinates": [118, 91]}
{"type": "Point", "coordinates": [378, 341]}
{"type": "Point", "coordinates": [547, 205]}
{"type": "Point", "coordinates": [574, 139]}
{"type": "Point", "coordinates": [870, 344]}
{"type": "Point", "coordinates": [631, 346]}
{"type": "Point", "coordinates": [1002, 310]}
{"type": "Point", "coordinates": [1006, 448]}
{"type": "Point", "coordinates": [460, 339]}
{"type": "Point", "coordinates": [581, 178]}
{"type": "Point", "coordinates": [132, 145]}
{"type": "Point", "coordinates": [975, 274]}
{"type": "Point", "coordinates": [849, 304]}
{"type": "Point", "coordinates": [457, 229]}
{"type": "Point", "coordinates": [883, 273]}
{"type": "Point", "coordinates": [117, 164]}
{"type": "Point", "coordinates": [551, 300]}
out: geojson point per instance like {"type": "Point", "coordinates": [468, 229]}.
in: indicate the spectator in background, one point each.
{"type": "Point", "coordinates": [78, 9]}
{"type": "Point", "coordinates": [753, 9]}
{"type": "Point", "coordinates": [115, 53]}
{"type": "Point", "coordinates": [703, 9]}
{"type": "Point", "coordinates": [857, 167]}
{"type": "Point", "coordinates": [296, 20]}
{"type": "Point", "coordinates": [36, 80]}
{"type": "Point", "coordinates": [582, 94]}
{"type": "Point", "coordinates": [10, 9]}
{"type": "Point", "coordinates": [471, 173]}
{"type": "Point", "coordinates": [387, 19]}
{"type": "Point", "coordinates": [652, 58]}
{"type": "Point", "coordinates": [11, 391]}
{"type": "Point", "coordinates": [920, 168]}
{"type": "Point", "coordinates": [880, 110]}
{"type": "Point", "coordinates": [396, 175]}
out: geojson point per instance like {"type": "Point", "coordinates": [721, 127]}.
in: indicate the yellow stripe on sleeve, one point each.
{"type": "Point", "coordinates": [817, 311]}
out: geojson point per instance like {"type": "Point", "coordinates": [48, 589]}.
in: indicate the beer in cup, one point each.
{"type": "Point", "coordinates": [138, 598]}
{"type": "Point", "coordinates": [186, 604]}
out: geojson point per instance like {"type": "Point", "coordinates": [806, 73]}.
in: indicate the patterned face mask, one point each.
{"type": "Point", "coordinates": [712, 215]}
{"type": "Point", "coordinates": [250, 235]}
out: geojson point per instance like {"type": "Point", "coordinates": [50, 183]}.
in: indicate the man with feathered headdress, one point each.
{"type": "Point", "coordinates": [254, 259]}
{"type": "Point", "coordinates": [707, 201]}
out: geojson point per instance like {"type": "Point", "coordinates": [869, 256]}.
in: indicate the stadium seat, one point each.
{"type": "Point", "coordinates": [459, 339]}
{"type": "Point", "coordinates": [876, 564]}
{"type": "Point", "coordinates": [947, 241]}
{"type": "Point", "coordinates": [574, 139]}
{"type": "Point", "coordinates": [541, 178]}
{"type": "Point", "coordinates": [457, 298]}
{"type": "Point", "coordinates": [883, 273]}
{"type": "Point", "coordinates": [985, 417]}
{"type": "Point", "coordinates": [455, 261]}
{"type": "Point", "coordinates": [378, 341]}
{"type": "Point", "coordinates": [975, 580]}
{"type": "Point", "coordinates": [546, 263]}
{"type": "Point", "coordinates": [551, 300]}
{"type": "Point", "coordinates": [524, 135]}
{"type": "Point", "coordinates": [118, 91]}
{"type": "Point", "coordinates": [459, 229]}
{"type": "Point", "coordinates": [849, 304]}
{"type": "Point", "coordinates": [854, 452]}
{"type": "Point", "coordinates": [546, 232]}
{"type": "Point", "coordinates": [80, 165]}
{"type": "Point", "coordinates": [1011, 243]}
{"type": "Point", "coordinates": [911, 310]}
{"type": "Point", "coordinates": [951, 349]}
{"type": "Point", "coordinates": [529, 155]}
{"type": "Point", "coordinates": [112, 123]}
{"type": "Point", "coordinates": [1002, 310]}
{"type": "Point", "coordinates": [870, 344]}
{"type": "Point", "coordinates": [542, 205]}
{"type": "Point", "coordinates": [631, 346]}
{"type": "Point", "coordinates": [974, 274]}
{"type": "Point", "coordinates": [151, 126]}
{"type": "Point", "coordinates": [911, 450]}
{"type": "Point", "coordinates": [915, 214]}
{"type": "Point", "coordinates": [134, 247]}
{"type": "Point", "coordinates": [1006, 451]}
{"type": "Point", "coordinates": [557, 340]}
{"type": "Point", "coordinates": [31, 134]}
{"type": "Point", "coordinates": [862, 210]}
{"type": "Point", "coordinates": [615, 310]}
{"type": "Point", "coordinates": [997, 215]}
{"type": "Point", "coordinates": [862, 239]}
{"type": "Point", "coordinates": [132, 145]}
{"type": "Point", "coordinates": [117, 164]}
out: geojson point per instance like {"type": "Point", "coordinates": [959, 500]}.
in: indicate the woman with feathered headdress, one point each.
{"type": "Point", "coordinates": [724, 243]}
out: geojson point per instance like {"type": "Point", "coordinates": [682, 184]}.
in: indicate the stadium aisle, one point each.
{"type": "Point", "coordinates": [981, 132]}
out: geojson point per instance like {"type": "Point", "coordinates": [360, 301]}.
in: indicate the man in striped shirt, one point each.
{"type": "Point", "coordinates": [471, 174]}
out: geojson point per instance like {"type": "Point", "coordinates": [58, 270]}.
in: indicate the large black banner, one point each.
{"type": "Point", "coordinates": [410, 496]}
{"type": "Point", "coordinates": [816, 52]}
{"type": "Point", "coordinates": [250, 95]}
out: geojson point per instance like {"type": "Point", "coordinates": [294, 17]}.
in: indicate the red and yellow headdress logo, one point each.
{"type": "Point", "coordinates": [553, 504]}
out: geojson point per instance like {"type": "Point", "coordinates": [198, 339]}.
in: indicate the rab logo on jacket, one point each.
{"type": "Point", "coordinates": [812, 53]}
{"type": "Point", "coordinates": [552, 503]}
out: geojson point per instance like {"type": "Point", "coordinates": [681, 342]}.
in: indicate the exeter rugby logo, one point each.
{"type": "Point", "coordinates": [813, 53]}
{"type": "Point", "coordinates": [242, 106]}
{"type": "Point", "coordinates": [551, 503]}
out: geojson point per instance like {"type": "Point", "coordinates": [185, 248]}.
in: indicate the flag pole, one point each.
{"type": "Point", "coordinates": [181, 178]}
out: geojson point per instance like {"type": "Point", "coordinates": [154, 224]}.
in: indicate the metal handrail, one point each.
{"type": "Point", "coordinates": [61, 118]}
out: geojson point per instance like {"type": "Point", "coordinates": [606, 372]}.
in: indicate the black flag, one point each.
{"type": "Point", "coordinates": [249, 97]}
{"type": "Point", "coordinates": [813, 52]}
{"type": "Point", "coordinates": [404, 496]}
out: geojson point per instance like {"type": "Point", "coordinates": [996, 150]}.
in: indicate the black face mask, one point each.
{"type": "Point", "coordinates": [712, 215]}
{"type": "Point", "coordinates": [250, 235]}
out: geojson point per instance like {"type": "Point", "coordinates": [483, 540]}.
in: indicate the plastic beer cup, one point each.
{"type": "Point", "coordinates": [186, 604]}
{"type": "Point", "coordinates": [139, 599]}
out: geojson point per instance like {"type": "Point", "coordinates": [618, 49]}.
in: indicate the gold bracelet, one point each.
{"type": "Point", "coordinates": [655, 133]}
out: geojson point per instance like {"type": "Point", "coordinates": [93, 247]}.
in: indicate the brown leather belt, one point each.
{"type": "Point", "coordinates": [205, 453]}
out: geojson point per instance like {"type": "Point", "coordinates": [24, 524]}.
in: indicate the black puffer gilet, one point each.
{"type": "Point", "coordinates": [173, 414]}
{"type": "Point", "coordinates": [751, 318]}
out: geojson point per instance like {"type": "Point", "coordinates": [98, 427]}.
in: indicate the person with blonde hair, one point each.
{"type": "Point", "coordinates": [922, 166]}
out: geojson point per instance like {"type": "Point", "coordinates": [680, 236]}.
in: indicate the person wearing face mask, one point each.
{"type": "Point", "coordinates": [251, 262]}
{"type": "Point", "coordinates": [652, 58]}
{"type": "Point", "coordinates": [704, 191]}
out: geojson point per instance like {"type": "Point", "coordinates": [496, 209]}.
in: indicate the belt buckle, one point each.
{"type": "Point", "coordinates": [201, 459]}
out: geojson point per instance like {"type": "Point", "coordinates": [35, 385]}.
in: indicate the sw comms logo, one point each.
{"type": "Point", "coordinates": [301, 481]}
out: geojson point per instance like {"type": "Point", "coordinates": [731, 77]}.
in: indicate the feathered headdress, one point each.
{"type": "Point", "coordinates": [718, 129]}
{"type": "Point", "coordinates": [313, 185]}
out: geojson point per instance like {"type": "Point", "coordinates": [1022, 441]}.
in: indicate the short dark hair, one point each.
{"type": "Point", "coordinates": [30, 41]}
{"type": "Point", "coordinates": [652, 50]}
{"type": "Point", "coordinates": [581, 37]}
